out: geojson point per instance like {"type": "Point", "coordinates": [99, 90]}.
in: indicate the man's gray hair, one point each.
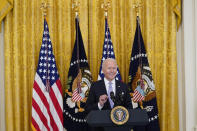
{"type": "Point", "coordinates": [109, 59]}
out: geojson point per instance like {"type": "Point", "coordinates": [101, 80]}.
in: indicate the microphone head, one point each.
{"type": "Point", "coordinates": [112, 96]}
{"type": "Point", "coordinates": [121, 95]}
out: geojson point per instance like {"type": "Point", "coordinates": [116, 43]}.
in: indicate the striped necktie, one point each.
{"type": "Point", "coordinates": [110, 89]}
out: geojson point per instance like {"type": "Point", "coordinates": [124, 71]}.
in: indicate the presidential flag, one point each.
{"type": "Point", "coordinates": [141, 82]}
{"type": "Point", "coordinates": [108, 52]}
{"type": "Point", "coordinates": [47, 103]}
{"type": "Point", "coordinates": [78, 86]}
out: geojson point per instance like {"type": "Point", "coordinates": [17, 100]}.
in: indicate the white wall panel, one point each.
{"type": "Point", "coordinates": [188, 93]}
{"type": "Point", "coordinates": [2, 94]}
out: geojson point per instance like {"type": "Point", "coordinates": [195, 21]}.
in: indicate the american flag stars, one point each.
{"type": "Point", "coordinates": [47, 67]}
{"type": "Point", "coordinates": [108, 51]}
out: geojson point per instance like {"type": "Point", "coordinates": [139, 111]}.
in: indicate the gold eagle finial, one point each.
{"type": "Point", "coordinates": [137, 5]}
{"type": "Point", "coordinates": [106, 5]}
{"type": "Point", "coordinates": [44, 6]}
{"type": "Point", "coordinates": [75, 6]}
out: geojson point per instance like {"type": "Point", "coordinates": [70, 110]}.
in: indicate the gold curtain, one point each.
{"type": "Point", "coordinates": [5, 7]}
{"type": "Point", "coordinates": [23, 38]}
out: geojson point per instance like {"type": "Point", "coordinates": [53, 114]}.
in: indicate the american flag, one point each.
{"type": "Point", "coordinates": [47, 103]}
{"type": "Point", "coordinates": [108, 52]}
{"type": "Point", "coordinates": [76, 93]}
{"type": "Point", "coordinates": [138, 94]}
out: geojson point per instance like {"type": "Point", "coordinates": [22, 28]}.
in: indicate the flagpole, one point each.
{"type": "Point", "coordinates": [44, 7]}
{"type": "Point", "coordinates": [137, 7]}
{"type": "Point", "coordinates": [106, 5]}
{"type": "Point", "coordinates": [75, 6]}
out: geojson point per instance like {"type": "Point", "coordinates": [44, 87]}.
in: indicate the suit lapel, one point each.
{"type": "Point", "coordinates": [103, 87]}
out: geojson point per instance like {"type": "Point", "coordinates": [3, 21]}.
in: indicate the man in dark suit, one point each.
{"type": "Point", "coordinates": [101, 91]}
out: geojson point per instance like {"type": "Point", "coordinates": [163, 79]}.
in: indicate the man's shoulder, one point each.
{"type": "Point", "coordinates": [98, 82]}
{"type": "Point", "coordinates": [121, 83]}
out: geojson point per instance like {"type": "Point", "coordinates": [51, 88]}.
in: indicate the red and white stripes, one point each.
{"type": "Point", "coordinates": [76, 96]}
{"type": "Point", "coordinates": [137, 96]}
{"type": "Point", "coordinates": [47, 107]}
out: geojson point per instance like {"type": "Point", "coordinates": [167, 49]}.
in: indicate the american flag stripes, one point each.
{"type": "Point", "coordinates": [108, 52]}
{"type": "Point", "coordinates": [76, 95]}
{"type": "Point", "coordinates": [47, 103]}
{"type": "Point", "coordinates": [138, 94]}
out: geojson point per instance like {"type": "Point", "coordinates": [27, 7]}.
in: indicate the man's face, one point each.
{"type": "Point", "coordinates": [110, 70]}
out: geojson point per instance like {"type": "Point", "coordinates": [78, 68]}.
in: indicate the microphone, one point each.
{"type": "Point", "coordinates": [121, 96]}
{"type": "Point", "coordinates": [112, 96]}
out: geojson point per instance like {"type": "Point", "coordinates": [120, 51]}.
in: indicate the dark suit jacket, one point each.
{"type": "Point", "coordinates": [98, 88]}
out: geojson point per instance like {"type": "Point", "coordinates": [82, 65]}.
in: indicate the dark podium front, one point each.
{"type": "Point", "coordinates": [101, 118]}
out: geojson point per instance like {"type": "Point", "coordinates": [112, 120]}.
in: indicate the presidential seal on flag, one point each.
{"type": "Point", "coordinates": [80, 89]}
{"type": "Point", "coordinates": [143, 86]}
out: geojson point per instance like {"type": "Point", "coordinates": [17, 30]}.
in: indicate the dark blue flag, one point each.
{"type": "Point", "coordinates": [141, 82]}
{"type": "Point", "coordinates": [78, 85]}
{"type": "Point", "coordinates": [108, 52]}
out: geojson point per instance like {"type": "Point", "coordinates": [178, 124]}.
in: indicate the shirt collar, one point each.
{"type": "Point", "coordinates": [107, 81]}
{"type": "Point", "coordinates": [107, 85]}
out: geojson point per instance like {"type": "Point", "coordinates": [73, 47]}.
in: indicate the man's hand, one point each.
{"type": "Point", "coordinates": [103, 99]}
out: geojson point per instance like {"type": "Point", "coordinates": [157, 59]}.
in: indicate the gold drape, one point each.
{"type": "Point", "coordinates": [5, 7]}
{"type": "Point", "coordinates": [23, 38]}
